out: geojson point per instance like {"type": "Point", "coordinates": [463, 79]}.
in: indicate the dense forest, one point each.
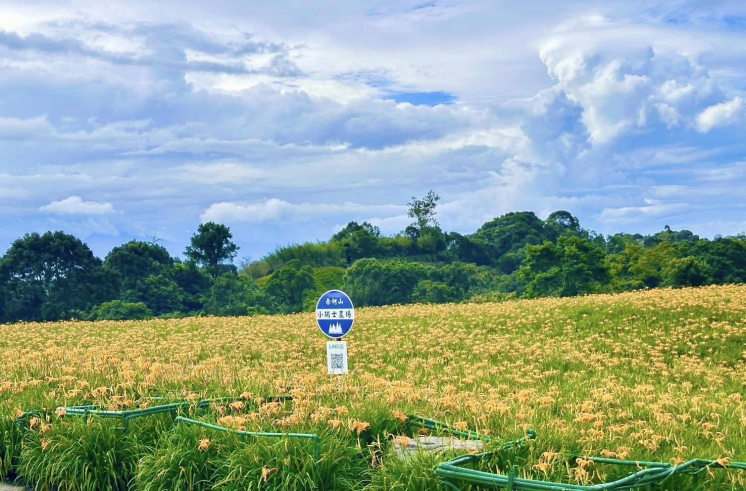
{"type": "Point", "coordinates": [55, 276]}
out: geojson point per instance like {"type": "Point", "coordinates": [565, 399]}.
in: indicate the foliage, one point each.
{"type": "Point", "coordinates": [96, 454]}
{"type": "Point", "coordinates": [51, 276]}
{"type": "Point", "coordinates": [118, 310]}
{"type": "Point", "coordinates": [194, 283]}
{"type": "Point", "coordinates": [161, 294]}
{"type": "Point", "coordinates": [288, 286]}
{"type": "Point", "coordinates": [135, 261]}
{"type": "Point", "coordinates": [10, 446]}
{"type": "Point", "coordinates": [428, 291]}
{"type": "Point", "coordinates": [572, 266]}
{"type": "Point", "coordinates": [423, 211]}
{"type": "Point", "coordinates": [55, 276]}
{"type": "Point", "coordinates": [506, 238]}
{"type": "Point", "coordinates": [329, 278]}
{"type": "Point", "coordinates": [358, 241]}
{"type": "Point", "coordinates": [374, 282]}
{"type": "Point", "coordinates": [233, 295]}
{"type": "Point", "coordinates": [316, 255]}
{"type": "Point", "coordinates": [211, 247]}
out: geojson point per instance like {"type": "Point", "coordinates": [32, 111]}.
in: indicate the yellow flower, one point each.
{"type": "Point", "coordinates": [204, 444]}
{"type": "Point", "coordinates": [359, 426]}
{"type": "Point", "coordinates": [266, 472]}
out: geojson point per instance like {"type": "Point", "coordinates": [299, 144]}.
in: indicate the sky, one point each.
{"type": "Point", "coordinates": [287, 119]}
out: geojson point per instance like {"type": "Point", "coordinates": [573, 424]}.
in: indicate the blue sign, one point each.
{"type": "Point", "coordinates": [335, 314]}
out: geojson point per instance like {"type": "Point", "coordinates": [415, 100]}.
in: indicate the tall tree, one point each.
{"type": "Point", "coordinates": [136, 260]}
{"type": "Point", "coordinates": [507, 236]}
{"type": "Point", "coordinates": [288, 286]}
{"type": "Point", "coordinates": [423, 210]}
{"type": "Point", "coordinates": [52, 276]}
{"type": "Point", "coordinates": [572, 266]}
{"type": "Point", "coordinates": [358, 240]}
{"type": "Point", "coordinates": [211, 247]}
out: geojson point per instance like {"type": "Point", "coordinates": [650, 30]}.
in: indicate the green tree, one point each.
{"type": "Point", "coordinates": [51, 277]}
{"type": "Point", "coordinates": [573, 266]}
{"type": "Point", "coordinates": [288, 286]}
{"type": "Point", "coordinates": [428, 291]}
{"type": "Point", "coordinates": [211, 247]}
{"type": "Point", "coordinates": [137, 260]}
{"type": "Point", "coordinates": [233, 295]}
{"type": "Point", "coordinates": [160, 293]}
{"type": "Point", "coordinates": [506, 238]}
{"type": "Point", "coordinates": [423, 210]}
{"type": "Point", "coordinates": [194, 283]}
{"type": "Point", "coordinates": [686, 271]}
{"type": "Point", "coordinates": [726, 258]}
{"type": "Point", "coordinates": [649, 267]}
{"type": "Point", "coordinates": [358, 240]}
{"type": "Point", "coordinates": [374, 282]}
{"type": "Point", "coordinates": [620, 267]}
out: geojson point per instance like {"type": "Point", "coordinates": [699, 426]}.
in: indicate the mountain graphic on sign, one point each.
{"type": "Point", "coordinates": [335, 328]}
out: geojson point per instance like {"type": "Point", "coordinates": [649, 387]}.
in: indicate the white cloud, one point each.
{"type": "Point", "coordinates": [720, 115]}
{"type": "Point", "coordinates": [277, 210]}
{"type": "Point", "coordinates": [632, 214]}
{"type": "Point", "coordinates": [74, 205]}
{"type": "Point", "coordinates": [221, 173]}
{"type": "Point", "coordinates": [271, 210]}
{"type": "Point", "coordinates": [24, 129]}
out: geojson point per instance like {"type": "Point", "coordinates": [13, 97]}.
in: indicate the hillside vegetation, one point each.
{"type": "Point", "coordinates": [55, 276]}
{"type": "Point", "coordinates": [656, 375]}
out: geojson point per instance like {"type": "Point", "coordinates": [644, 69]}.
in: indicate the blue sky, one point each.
{"type": "Point", "coordinates": [286, 120]}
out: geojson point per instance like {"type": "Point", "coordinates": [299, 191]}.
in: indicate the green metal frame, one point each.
{"type": "Point", "coordinates": [654, 473]}
{"type": "Point", "coordinates": [126, 416]}
{"type": "Point", "coordinates": [431, 424]}
{"type": "Point", "coordinates": [174, 409]}
{"type": "Point", "coordinates": [310, 436]}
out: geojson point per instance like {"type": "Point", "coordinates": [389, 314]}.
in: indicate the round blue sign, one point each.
{"type": "Point", "coordinates": [335, 314]}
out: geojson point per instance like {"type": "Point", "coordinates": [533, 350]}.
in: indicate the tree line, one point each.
{"type": "Point", "coordinates": [55, 276]}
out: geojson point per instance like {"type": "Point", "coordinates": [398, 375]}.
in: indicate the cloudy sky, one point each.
{"type": "Point", "coordinates": [287, 119]}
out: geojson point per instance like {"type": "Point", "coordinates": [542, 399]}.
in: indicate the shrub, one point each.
{"type": "Point", "coordinates": [118, 310]}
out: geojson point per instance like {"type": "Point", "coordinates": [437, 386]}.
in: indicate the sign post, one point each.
{"type": "Point", "coordinates": [335, 316]}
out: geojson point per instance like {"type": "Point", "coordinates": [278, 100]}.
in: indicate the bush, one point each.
{"type": "Point", "coordinates": [428, 291]}
{"type": "Point", "coordinates": [118, 310]}
{"type": "Point", "coordinates": [372, 282]}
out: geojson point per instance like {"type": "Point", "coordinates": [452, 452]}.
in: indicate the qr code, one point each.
{"type": "Point", "coordinates": [337, 361]}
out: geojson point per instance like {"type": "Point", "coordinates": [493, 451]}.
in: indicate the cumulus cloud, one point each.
{"type": "Point", "coordinates": [74, 205]}
{"type": "Point", "coordinates": [628, 89]}
{"type": "Point", "coordinates": [591, 110]}
{"type": "Point", "coordinates": [720, 114]}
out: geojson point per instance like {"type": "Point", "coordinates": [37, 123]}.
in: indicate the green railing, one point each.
{"type": "Point", "coordinates": [451, 472]}
{"type": "Point", "coordinates": [257, 434]}
{"type": "Point", "coordinates": [653, 473]}
{"type": "Point", "coordinates": [175, 410]}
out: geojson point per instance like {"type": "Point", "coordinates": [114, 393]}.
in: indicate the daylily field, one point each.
{"type": "Point", "coordinates": [654, 375]}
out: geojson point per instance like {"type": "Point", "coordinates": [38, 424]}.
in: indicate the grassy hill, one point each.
{"type": "Point", "coordinates": [654, 375]}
